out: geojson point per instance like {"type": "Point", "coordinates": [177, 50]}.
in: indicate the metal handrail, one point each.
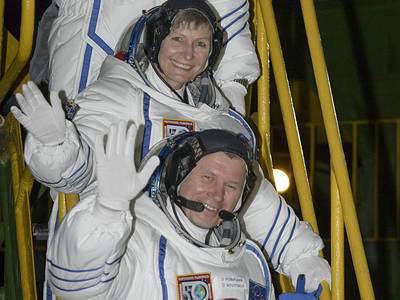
{"type": "Point", "coordinates": [355, 126]}
{"type": "Point", "coordinates": [337, 154]}
{"type": "Point", "coordinates": [22, 181]}
{"type": "Point", "coordinates": [289, 117]}
{"type": "Point", "coordinates": [267, 18]}
{"type": "Point", "coordinates": [339, 168]}
{"type": "Point", "coordinates": [24, 49]}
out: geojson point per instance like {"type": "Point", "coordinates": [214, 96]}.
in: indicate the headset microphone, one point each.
{"type": "Point", "coordinates": [226, 215]}
{"type": "Point", "coordinates": [193, 205]}
{"type": "Point", "coordinates": [199, 207]}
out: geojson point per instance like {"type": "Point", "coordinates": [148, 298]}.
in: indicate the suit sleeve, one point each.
{"type": "Point", "coordinates": [69, 167]}
{"type": "Point", "coordinates": [271, 222]}
{"type": "Point", "coordinates": [66, 167]}
{"type": "Point", "coordinates": [84, 256]}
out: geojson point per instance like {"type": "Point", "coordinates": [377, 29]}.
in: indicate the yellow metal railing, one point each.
{"type": "Point", "coordinates": [372, 134]}
{"type": "Point", "coordinates": [21, 178]}
{"type": "Point", "coordinates": [22, 184]}
{"type": "Point", "coordinates": [65, 203]}
{"type": "Point", "coordinates": [339, 168]}
{"type": "Point", "coordinates": [375, 138]}
{"type": "Point", "coordinates": [337, 154]}
{"type": "Point", "coordinates": [24, 50]}
{"type": "Point", "coordinates": [265, 15]}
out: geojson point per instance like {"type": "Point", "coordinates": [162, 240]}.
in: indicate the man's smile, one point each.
{"type": "Point", "coordinates": [209, 207]}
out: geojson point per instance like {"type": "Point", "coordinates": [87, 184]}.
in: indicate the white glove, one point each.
{"type": "Point", "coordinates": [315, 268]}
{"type": "Point", "coordinates": [44, 121]}
{"type": "Point", "coordinates": [117, 177]}
{"type": "Point", "coordinates": [235, 93]}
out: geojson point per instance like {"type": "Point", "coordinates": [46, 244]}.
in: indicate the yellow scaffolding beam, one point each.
{"type": "Point", "coordinates": [336, 150]}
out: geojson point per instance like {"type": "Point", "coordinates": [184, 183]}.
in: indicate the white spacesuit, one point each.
{"type": "Point", "coordinates": [120, 93]}
{"type": "Point", "coordinates": [95, 253]}
{"type": "Point", "coordinates": [155, 261]}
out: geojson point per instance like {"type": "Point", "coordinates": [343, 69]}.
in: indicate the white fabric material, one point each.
{"type": "Point", "coordinates": [46, 122]}
{"type": "Point", "coordinates": [86, 31]}
{"type": "Point", "coordinates": [118, 94]}
{"type": "Point", "coordinates": [95, 254]}
{"type": "Point", "coordinates": [235, 93]}
{"type": "Point", "coordinates": [193, 230]}
{"type": "Point", "coordinates": [315, 269]}
{"type": "Point", "coordinates": [119, 181]}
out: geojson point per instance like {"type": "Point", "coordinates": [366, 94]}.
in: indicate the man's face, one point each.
{"type": "Point", "coordinates": [184, 53]}
{"type": "Point", "coordinates": [217, 182]}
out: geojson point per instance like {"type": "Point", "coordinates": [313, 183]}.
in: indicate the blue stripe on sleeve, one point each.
{"type": "Point", "coordinates": [82, 288]}
{"type": "Point", "coordinates": [280, 234]}
{"type": "Point", "coordinates": [75, 280]}
{"type": "Point", "coordinates": [83, 270]}
{"type": "Point", "coordinates": [290, 237]}
{"type": "Point", "coordinates": [234, 21]}
{"type": "Point", "coordinates": [86, 163]}
{"type": "Point", "coordinates": [233, 11]}
{"type": "Point", "coordinates": [273, 224]}
{"type": "Point", "coordinates": [235, 34]}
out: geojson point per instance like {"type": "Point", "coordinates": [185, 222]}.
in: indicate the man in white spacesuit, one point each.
{"type": "Point", "coordinates": [156, 90]}
{"type": "Point", "coordinates": [171, 251]}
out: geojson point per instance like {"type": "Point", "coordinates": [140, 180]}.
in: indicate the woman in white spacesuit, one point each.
{"type": "Point", "coordinates": [172, 252]}
{"type": "Point", "coordinates": [84, 32]}
{"type": "Point", "coordinates": [142, 87]}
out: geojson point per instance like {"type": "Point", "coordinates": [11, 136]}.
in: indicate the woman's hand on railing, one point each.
{"type": "Point", "coordinates": [45, 121]}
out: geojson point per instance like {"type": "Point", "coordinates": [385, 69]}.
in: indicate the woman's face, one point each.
{"type": "Point", "coordinates": [184, 53]}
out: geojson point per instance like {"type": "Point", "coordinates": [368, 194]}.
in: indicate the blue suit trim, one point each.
{"type": "Point", "coordinates": [83, 288]}
{"type": "Point", "coordinates": [235, 34]}
{"type": "Point", "coordinates": [273, 225]}
{"type": "Point", "coordinates": [72, 175]}
{"type": "Point", "coordinates": [97, 40]}
{"type": "Point", "coordinates": [246, 126]}
{"type": "Point", "coordinates": [161, 260]}
{"type": "Point", "coordinates": [280, 234]}
{"type": "Point", "coordinates": [92, 29]}
{"type": "Point", "coordinates": [233, 11]}
{"type": "Point", "coordinates": [147, 124]}
{"type": "Point", "coordinates": [85, 270]}
{"type": "Point", "coordinates": [49, 293]}
{"type": "Point", "coordinates": [85, 68]}
{"type": "Point", "coordinates": [76, 280]}
{"type": "Point", "coordinates": [234, 21]}
{"type": "Point", "coordinates": [284, 247]}
{"type": "Point", "coordinates": [260, 256]}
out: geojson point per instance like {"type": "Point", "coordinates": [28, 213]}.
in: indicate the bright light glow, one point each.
{"type": "Point", "coordinates": [281, 180]}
